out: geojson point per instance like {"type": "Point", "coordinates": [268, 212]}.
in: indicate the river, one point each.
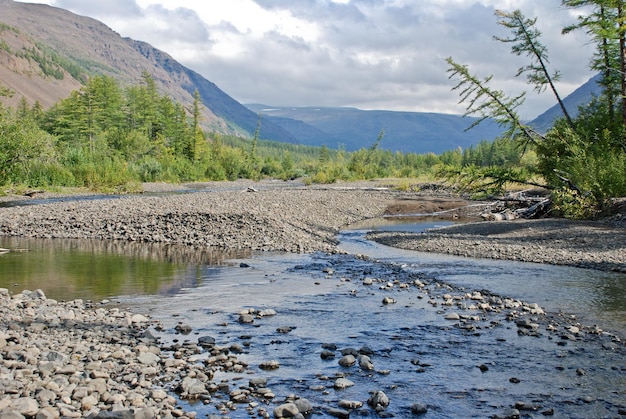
{"type": "Point", "coordinates": [479, 367]}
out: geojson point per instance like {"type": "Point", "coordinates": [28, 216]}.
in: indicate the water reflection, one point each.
{"type": "Point", "coordinates": [97, 269]}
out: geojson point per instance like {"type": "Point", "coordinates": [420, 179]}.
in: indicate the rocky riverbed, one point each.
{"type": "Point", "coordinates": [285, 219]}
{"type": "Point", "coordinates": [403, 345]}
{"type": "Point", "coordinates": [289, 217]}
{"type": "Point", "coordinates": [84, 359]}
{"type": "Point", "coordinates": [73, 360]}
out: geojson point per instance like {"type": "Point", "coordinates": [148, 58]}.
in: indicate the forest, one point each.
{"type": "Point", "coordinates": [110, 138]}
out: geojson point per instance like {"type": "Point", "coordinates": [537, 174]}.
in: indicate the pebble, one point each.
{"type": "Point", "coordinates": [341, 383]}
{"type": "Point", "coordinates": [419, 409]}
{"type": "Point", "coordinates": [272, 220]}
{"type": "Point", "coordinates": [78, 361]}
{"type": "Point", "coordinates": [347, 360]}
{"type": "Point", "coordinates": [452, 316]}
{"type": "Point", "coordinates": [378, 399]}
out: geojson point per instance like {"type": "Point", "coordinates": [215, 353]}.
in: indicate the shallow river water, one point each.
{"type": "Point", "coordinates": [476, 366]}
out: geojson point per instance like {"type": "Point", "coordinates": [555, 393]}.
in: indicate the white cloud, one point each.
{"type": "Point", "coordinates": [384, 54]}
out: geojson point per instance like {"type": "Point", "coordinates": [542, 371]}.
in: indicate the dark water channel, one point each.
{"type": "Point", "coordinates": [478, 367]}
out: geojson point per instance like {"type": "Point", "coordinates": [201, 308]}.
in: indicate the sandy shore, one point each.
{"type": "Point", "coordinates": [283, 216]}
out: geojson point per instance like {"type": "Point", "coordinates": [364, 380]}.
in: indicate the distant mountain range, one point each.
{"type": "Point", "coordinates": [47, 52]}
{"type": "Point", "coordinates": [353, 129]}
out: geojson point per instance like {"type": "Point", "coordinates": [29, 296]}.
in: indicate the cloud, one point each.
{"type": "Point", "coordinates": [106, 8]}
{"type": "Point", "coordinates": [371, 54]}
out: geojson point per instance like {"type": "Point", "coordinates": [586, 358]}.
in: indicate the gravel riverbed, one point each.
{"type": "Point", "coordinates": [80, 359]}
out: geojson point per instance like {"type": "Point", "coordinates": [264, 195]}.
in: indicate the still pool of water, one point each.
{"type": "Point", "coordinates": [418, 355]}
{"type": "Point", "coordinates": [96, 269]}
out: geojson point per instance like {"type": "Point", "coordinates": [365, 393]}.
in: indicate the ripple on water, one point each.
{"type": "Point", "coordinates": [418, 355]}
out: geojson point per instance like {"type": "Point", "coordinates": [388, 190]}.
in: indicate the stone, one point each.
{"type": "Point", "coordinates": [67, 370]}
{"type": "Point", "coordinates": [419, 409]}
{"type": "Point", "coordinates": [192, 387]}
{"type": "Point", "coordinates": [267, 313]}
{"type": "Point", "coordinates": [48, 412]}
{"type": "Point", "coordinates": [258, 382]}
{"type": "Point", "coordinates": [452, 316]}
{"type": "Point", "coordinates": [206, 342]}
{"type": "Point", "coordinates": [286, 410]}
{"type": "Point", "coordinates": [365, 363]}
{"type": "Point", "coordinates": [366, 350]}
{"type": "Point", "coordinates": [26, 406]}
{"type": "Point", "coordinates": [378, 399]}
{"type": "Point", "coordinates": [146, 413]}
{"type": "Point", "coordinates": [350, 404]}
{"type": "Point", "coordinates": [338, 413]}
{"type": "Point", "coordinates": [158, 394]}
{"type": "Point", "coordinates": [269, 365]}
{"type": "Point", "coordinates": [117, 414]}
{"type": "Point", "coordinates": [184, 329]}
{"type": "Point", "coordinates": [46, 396]}
{"type": "Point", "coordinates": [304, 406]}
{"type": "Point", "coordinates": [88, 402]}
{"type": "Point", "coordinates": [55, 357]}
{"type": "Point", "coordinates": [347, 361]}
{"type": "Point", "coordinates": [138, 319]}
{"type": "Point", "coordinates": [341, 383]}
{"type": "Point", "coordinates": [148, 358]}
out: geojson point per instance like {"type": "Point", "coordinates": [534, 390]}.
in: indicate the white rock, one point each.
{"type": "Point", "coordinates": [452, 316]}
{"type": "Point", "coordinates": [26, 406]}
{"type": "Point", "coordinates": [138, 318]}
{"type": "Point", "coordinates": [148, 358]}
{"type": "Point", "coordinates": [342, 383]}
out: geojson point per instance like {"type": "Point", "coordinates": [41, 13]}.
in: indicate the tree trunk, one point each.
{"type": "Point", "coordinates": [622, 58]}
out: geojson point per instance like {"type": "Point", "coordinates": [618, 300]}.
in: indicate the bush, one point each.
{"type": "Point", "coordinates": [147, 169]}
{"type": "Point", "coordinates": [586, 167]}
{"type": "Point", "coordinates": [49, 174]}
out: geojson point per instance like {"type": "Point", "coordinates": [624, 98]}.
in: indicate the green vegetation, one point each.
{"type": "Point", "coordinates": [583, 159]}
{"type": "Point", "coordinates": [111, 138]}
{"type": "Point", "coordinates": [105, 137]}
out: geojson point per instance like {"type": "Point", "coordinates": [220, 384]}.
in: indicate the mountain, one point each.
{"type": "Point", "coordinates": [417, 132]}
{"type": "Point", "coordinates": [47, 52]}
{"type": "Point", "coordinates": [572, 102]}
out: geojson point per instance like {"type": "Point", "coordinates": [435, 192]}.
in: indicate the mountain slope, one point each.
{"type": "Point", "coordinates": [417, 132]}
{"type": "Point", "coordinates": [572, 102]}
{"type": "Point", "coordinates": [46, 52]}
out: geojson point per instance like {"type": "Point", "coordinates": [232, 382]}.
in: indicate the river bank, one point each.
{"type": "Point", "coordinates": [287, 216]}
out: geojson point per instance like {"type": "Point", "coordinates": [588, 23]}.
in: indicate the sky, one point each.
{"type": "Point", "coordinates": [368, 54]}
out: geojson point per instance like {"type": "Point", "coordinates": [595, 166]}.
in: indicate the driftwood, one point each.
{"type": "Point", "coordinates": [523, 204]}
{"type": "Point", "coordinates": [32, 193]}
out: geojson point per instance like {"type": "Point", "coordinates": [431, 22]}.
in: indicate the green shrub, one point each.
{"type": "Point", "coordinates": [147, 169]}
{"type": "Point", "coordinates": [44, 175]}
